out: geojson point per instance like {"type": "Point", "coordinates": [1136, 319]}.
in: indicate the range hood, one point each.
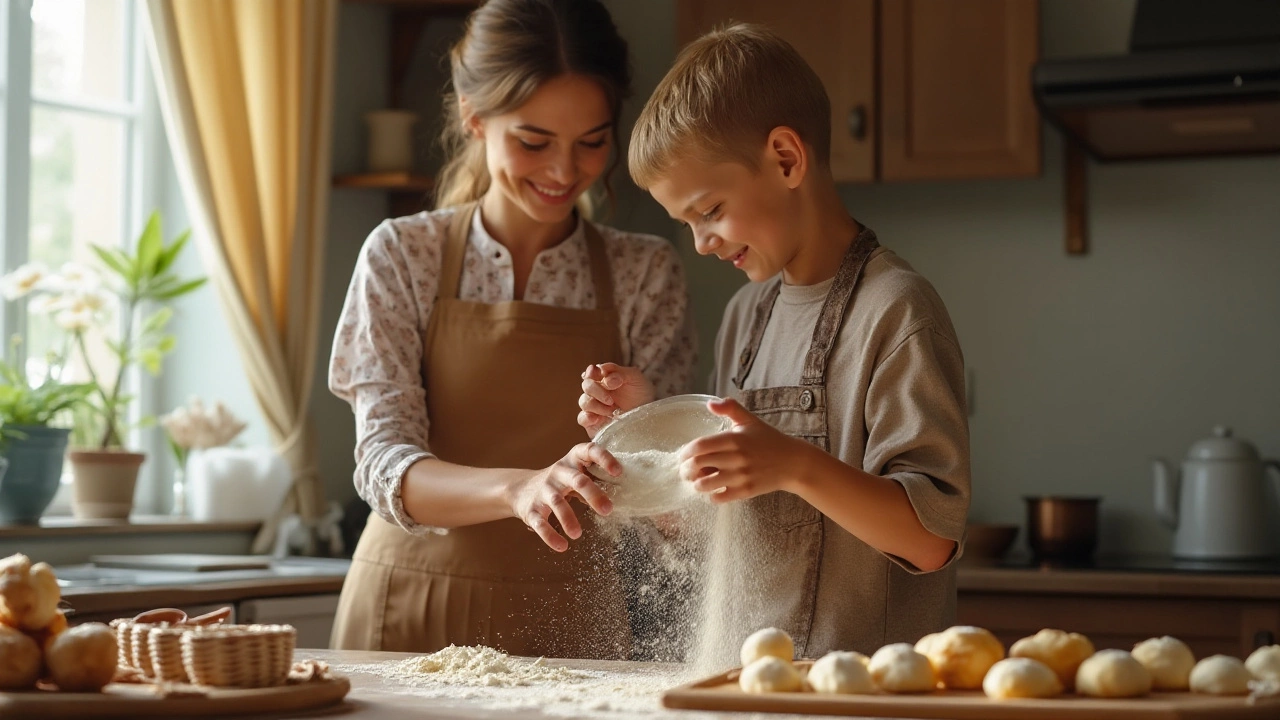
{"type": "Point", "coordinates": [1202, 78]}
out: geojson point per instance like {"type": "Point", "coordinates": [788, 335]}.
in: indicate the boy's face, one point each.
{"type": "Point", "coordinates": [735, 212]}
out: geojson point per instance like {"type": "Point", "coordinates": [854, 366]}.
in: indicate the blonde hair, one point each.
{"type": "Point", "coordinates": [509, 49]}
{"type": "Point", "coordinates": [726, 92]}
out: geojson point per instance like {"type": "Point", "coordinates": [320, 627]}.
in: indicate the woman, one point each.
{"type": "Point", "coordinates": [461, 349]}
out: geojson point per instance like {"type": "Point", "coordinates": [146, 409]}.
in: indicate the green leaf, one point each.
{"type": "Point", "coordinates": [148, 421]}
{"type": "Point", "coordinates": [117, 261]}
{"type": "Point", "coordinates": [167, 344]}
{"type": "Point", "coordinates": [150, 359]}
{"type": "Point", "coordinates": [150, 246]}
{"type": "Point", "coordinates": [170, 254]}
{"type": "Point", "coordinates": [180, 290]}
{"type": "Point", "coordinates": [157, 321]}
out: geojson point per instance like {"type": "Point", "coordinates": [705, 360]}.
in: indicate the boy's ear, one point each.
{"type": "Point", "coordinates": [786, 152]}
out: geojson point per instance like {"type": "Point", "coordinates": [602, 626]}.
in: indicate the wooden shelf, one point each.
{"type": "Point", "coordinates": [394, 181]}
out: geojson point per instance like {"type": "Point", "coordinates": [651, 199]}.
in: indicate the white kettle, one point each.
{"type": "Point", "coordinates": [1220, 508]}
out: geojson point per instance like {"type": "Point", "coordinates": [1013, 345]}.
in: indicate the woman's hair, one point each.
{"type": "Point", "coordinates": [509, 49]}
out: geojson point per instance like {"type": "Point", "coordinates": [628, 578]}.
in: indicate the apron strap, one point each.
{"type": "Point", "coordinates": [761, 320]}
{"type": "Point", "coordinates": [455, 251]}
{"type": "Point", "coordinates": [601, 276]}
{"type": "Point", "coordinates": [833, 308]}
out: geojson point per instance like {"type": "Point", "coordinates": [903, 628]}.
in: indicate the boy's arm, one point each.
{"type": "Point", "coordinates": [873, 508]}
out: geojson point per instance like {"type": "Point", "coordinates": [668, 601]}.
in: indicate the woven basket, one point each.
{"type": "Point", "coordinates": [238, 655]}
{"type": "Point", "coordinates": [124, 647]}
{"type": "Point", "coordinates": [139, 649]}
{"type": "Point", "coordinates": [164, 643]}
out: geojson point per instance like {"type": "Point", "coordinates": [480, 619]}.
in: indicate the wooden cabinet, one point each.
{"type": "Point", "coordinates": [1231, 615]}
{"type": "Point", "coordinates": [920, 89]}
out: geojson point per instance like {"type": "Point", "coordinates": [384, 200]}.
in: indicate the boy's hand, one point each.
{"type": "Point", "coordinates": [609, 390]}
{"type": "Point", "coordinates": [751, 459]}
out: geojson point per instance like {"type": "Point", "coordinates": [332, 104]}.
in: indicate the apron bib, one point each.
{"type": "Point", "coordinates": [789, 531]}
{"type": "Point", "coordinates": [502, 382]}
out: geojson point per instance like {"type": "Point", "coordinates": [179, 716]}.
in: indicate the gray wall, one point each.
{"type": "Point", "coordinates": [1082, 367]}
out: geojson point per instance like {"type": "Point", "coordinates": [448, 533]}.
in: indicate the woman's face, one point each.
{"type": "Point", "coordinates": [547, 152]}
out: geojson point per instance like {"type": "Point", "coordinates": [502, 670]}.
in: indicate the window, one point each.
{"type": "Point", "coordinates": [82, 143]}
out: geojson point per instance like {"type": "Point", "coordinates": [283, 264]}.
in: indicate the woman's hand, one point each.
{"type": "Point", "coordinates": [547, 492]}
{"type": "Point", "coordinates": [609, 390]}
{"type": "Point", "coordinates": [753, 458]}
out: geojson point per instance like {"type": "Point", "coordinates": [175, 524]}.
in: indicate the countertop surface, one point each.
{"type": "Point", "coordinates": [91, 589]}
{"type": "Point", "coordinates": [1154, 576]}
{"type": "Point", "coordinates": [604, 689]}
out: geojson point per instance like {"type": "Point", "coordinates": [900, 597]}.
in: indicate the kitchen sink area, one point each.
{"type": "Point", "coordinates": [90, 576]}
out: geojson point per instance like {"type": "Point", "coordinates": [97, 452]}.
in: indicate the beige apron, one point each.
{"type": "Point", "coordinates": [502, 382]}
{"type": "Point", "coordinates": [789, 530]}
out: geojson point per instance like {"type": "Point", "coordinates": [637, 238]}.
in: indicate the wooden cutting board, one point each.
{"type": "Point", "coordinates": [119, 700]}
{"type": "Point", "coordinates": [721, 693]}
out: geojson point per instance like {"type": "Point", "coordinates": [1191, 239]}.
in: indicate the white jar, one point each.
{"type": "Point", "coordinates": [390, 140]}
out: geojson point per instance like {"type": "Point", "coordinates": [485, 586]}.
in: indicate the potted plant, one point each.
{"type": "Point", "coordinates": [31, 444]}
{"type": "Point", "coordinates": [140, 283]}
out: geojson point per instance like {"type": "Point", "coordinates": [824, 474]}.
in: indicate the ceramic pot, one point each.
{"type": "Point", "coordinates": [103, 483]}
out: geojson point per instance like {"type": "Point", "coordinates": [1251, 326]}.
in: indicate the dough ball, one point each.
{"type": "Point", "coordinates": [20, 660]}
{"type": "Point", "coordinates": [1113, 674]}
{"type": "Point", "coordinates": [56, 627]}
{"type": "Point", "coordinates": [842, 673]}
{"type": "Point", "coordinates": [769, 642]}
{"type": "Point", "coordinates": [1169, 661]}
{"type": "Point", "coordinates": [29, 594]}
{"type": "Point", "coordinates": [1264, 663]}
{"type": "Point", "coordinates": [1220, 675]}
{"type": "Point", "coordinates": [1061, 651]}
{"type": "Point", "coordinates": [961, 655]}
{"type": "Point", "coordinates": [770, 674]}
{"type": "Point", "coordinates": [898, 668]}
{"type": "Point", "coordinates": [83, 659]}
{"type": "Point", "coordinates": [1021, 677]}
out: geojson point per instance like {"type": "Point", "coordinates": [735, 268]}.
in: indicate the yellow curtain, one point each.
{"type": "Point", "coordinates": [246, 93]}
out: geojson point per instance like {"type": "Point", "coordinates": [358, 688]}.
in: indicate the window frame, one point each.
{"type": "Point", "coordinates": [146, 156]}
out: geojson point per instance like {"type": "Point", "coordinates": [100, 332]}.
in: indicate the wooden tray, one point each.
{"type": "Point", "coordinates": [721, 693]}
{"type": "Point", "coordinates": [119, 700]}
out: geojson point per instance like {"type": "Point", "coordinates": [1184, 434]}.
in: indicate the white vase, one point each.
{"type": "Point", "coordinates": [390, 140]}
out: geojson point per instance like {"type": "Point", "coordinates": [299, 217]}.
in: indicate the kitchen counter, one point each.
{"type": "Point", "coordinates": [1160, 582]}
{"type": "Point", "coordinates": [618, 690]}
{"type": "Point", "coordinates": [97, 591]}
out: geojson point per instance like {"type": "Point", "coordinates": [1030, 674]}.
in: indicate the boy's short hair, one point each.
{"type": "Point", "coordinates": [726, 92]}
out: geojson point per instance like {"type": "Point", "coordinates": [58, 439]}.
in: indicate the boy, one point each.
{"type": "Point", "coordinates": [842, 372]}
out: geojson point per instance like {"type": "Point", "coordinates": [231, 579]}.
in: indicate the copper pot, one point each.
{"type": "Point", "coordinates": [1062, 529]}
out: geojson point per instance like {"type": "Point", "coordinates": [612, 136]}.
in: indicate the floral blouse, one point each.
{"type": "Point", "coordinates": [376, 364]}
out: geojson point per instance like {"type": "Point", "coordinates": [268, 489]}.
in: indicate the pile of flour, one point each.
{"type": "Point", "coordinates": [487, 679]}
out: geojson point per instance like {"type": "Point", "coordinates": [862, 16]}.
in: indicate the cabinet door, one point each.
{"type": "Point", "coordinates": [837, 39]}
{"type": "Point", "coordinates": [955, 89]}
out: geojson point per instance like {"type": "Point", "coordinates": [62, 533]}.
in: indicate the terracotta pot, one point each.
{"type": "Point", "coordinates": [103, 483]}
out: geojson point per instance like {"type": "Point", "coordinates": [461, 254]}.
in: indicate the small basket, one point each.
{"type": "Point", "coordinates": [245, 656]}
{"type": "Point", "coordinates": [164, 643]}
{"type": "Point", "coordinates": [124, 652]}
{"type": "Point", "coordinates": [140, 649]}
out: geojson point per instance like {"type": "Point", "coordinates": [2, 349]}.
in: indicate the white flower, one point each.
{"type": "Point", "coordinates": [74, 319]}
{"type": "Point", "coordinates": [46, 304]}
{"type": "Point", "coordinates": [23, 280]}
{"type": "Point", "coordinates": [195, 426]}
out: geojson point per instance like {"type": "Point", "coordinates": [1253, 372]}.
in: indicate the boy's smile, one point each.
{"type": "Point", "coordinates": [732, 212]}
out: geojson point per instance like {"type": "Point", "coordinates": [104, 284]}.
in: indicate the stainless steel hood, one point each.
{"type": "Point", "coordinates": [1202, 78]}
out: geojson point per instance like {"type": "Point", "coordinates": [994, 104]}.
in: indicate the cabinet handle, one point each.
{"type": "Point", "coordinates": [858, 122]}
{"type": "Point", "coordinates": [1263, 638]}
